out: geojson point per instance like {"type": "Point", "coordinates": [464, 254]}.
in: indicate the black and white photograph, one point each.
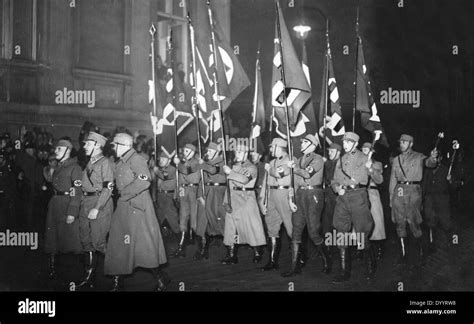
{"type": "Point", "coordinates": [171, 149]}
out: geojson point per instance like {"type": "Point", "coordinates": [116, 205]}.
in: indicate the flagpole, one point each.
{"type": "Point", "coordinates": [152, 44]}
{"type": "Point", "coordinates": [282, 72]}
{"type": "Point", "coordinates": [326, 78]}
{"type": "Point", "coordinates": [255, 94]}
{"type": "Point", "coordinates": [194, 99]}
{"type": "Point", "coordinates": [217, 94]}
{"type": "Point", "coordinates": [171, 66]}
{"type": "Point", "coordinates": [355, 71]}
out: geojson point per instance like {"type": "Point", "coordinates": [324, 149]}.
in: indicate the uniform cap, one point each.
{"type": "Point", "coordinates": [335, 146]}
{"type": "Point", "coordinates": [191, 147]}
{"type": "Point", "coordinates": [214, 146]}
{"type": "Point", "coordinates": [123, 139]}
{"type": "Point", "coordinates": [350, 136]}
{"type": "Point", "coordinates": [279, 142]}
{"type": "Point", "coordinates": [313, 139]}
{"type": "Point", "coordinates": [367, 144]}
{"type": "Point", "coordinates": [406, 137]}
{"type": "Point", "coordinates": [93, 136]}
{"type": "Point", "coordinates": [163, 155]}
{"type": "Point", "coordinates": [65, 143]}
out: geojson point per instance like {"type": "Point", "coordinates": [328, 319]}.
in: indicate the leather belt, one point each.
{"type": "Point", "coordinates": [165, 191]}
{"type": "Point", "coordinates": [279, 187]}
{"type": "Point", "coordinates": [215, 184]}
{"type": "Point", "coordinates": [91, 193]}
{"type": "Point", "coordinates": [259, 187]}
{"type": "Point", "coordinates": [353, 187]}
{"type": "Point", "coordinates": [311, 187]}
{"type": "Point", "coordinates": [409, 182]}
{"type": "Point", "coordinates": [373, 187]}
{"type": "Point", "coordinates": [189, 185]}
{"type": "Point", "coordinates": [243, 189]}
{"type": "Point", "coordinates": [61, 193]}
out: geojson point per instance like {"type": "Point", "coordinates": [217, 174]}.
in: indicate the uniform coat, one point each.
{"type": "Point", "coordinates": [376, 207]}
{"type": "Point", "coordinates": [135, 238]}
{"type": "Point", "coordinates": [61, 237]}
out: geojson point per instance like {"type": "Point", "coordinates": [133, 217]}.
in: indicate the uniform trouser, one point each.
{"type": "Point", "coordinates": [93, 232]}
{"type": "Point", "coordinates": [328, 210]}
{"type": "Point", "coordinates": [352, 212]}
{"type": "Point", "coordinates": [406, 208]}
{"type": "Point", "coordinates": [376, 210]}
{"type": "Point", "coordinates": [278, 212]}
{"type": "Point", "coordinates": [211, 216]}
{"type": "Point", "coordinates": [437, 211]}
{"type": "Point", "coordinates": [188, 208]}
{"type": "Point", "coordinates": [166, 210]}
{"type": "Point", "coordinates": [310, 206]}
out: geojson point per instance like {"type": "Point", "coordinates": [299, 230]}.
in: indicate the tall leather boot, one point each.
{"type": "Point", "coordinates": [89, 264]}
{"type": "Point", "coordinates": [370, 263]}
{"type": "Point", "coordinates": [231, 257]}
{"type": "Point", "coordinates": [116, 284]}
{"type": "Point", "coordinates": [274, 248]}
{"type": "Point", "coordinates": [181, 250]}
{"type": "Point", "coordinates": [403, 255]}
{"type": "Point", "coordinates": [378, 245]}
{"type": "Point", "coordinates": [303, 256]}
{"type": "Point", "coordinates": [203, 252]}
{"type": "Point", "coordinates": [421, 249]}
{"type": "Point", "coordinates": [431, 245]}
{"type": "Point", "coordinates": [191, 236]}
{"type": "Point", "coordinates": [325, 257]}
{"type": "Point", "coordinates": [161, 279]}
{"type": "Point", "coordinates": [52, 267]}
{"type": "Point", "coordinates": [295, 264]}
{"type": "Point", "coordinates": [345, 271]}
{"type": "Point", "coordinates": [257, 254]}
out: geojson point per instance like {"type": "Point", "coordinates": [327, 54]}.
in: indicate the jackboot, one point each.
{"type": "Point", "coordinates": [370, 263]}
{"type": "Point", "coordinates": [378, 245]}
{"type": "Point", "coordinates": [303, 255]}
{"type": "Point", "coordinates": [116, 284]}
{"type": "Point", "coordinates": [161, 278]}
{"type": "Point", "coordinates": [403, 255]}
{"type": "Point", "coordinates": [191, 237]}
{"type": "Point", "coordinates": [52, 267]}
{"type": "Point", "coordinates": [231, 257]}
{"type": "Point", "coordinates": [257, 254]}
{"type": "Point", "coordinates": [325, 257]}
{"type": "Point", "coordinates": [203, 251]}
{"type": "Point", "coordinates": [295, 264]}
{"type": "Point", "coordinates": [181, 250]}
{"type": "Point", "coordinates": [274, 247]}
{"type": "Point", "coordinates": [345, 271]}
{"type": "Point", "coordinates": [90, 260]}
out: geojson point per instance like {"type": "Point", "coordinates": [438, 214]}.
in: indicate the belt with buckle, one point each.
{"type": "Point", "coordinates": [189, 184]}
{"type": "Point", "coordinates": [165, 191]}
{"type": "Point", "coordinates": [215, 184]}
{"type": "Point", "coordinates": [409, 182]}
{"type": "Point", "coordinates": [91, 193]}
{"type": "Point", "coordinates": [259, 187]}
{"type": "Point", "coordinates": [353, 187]}
{"type": "Point", "coordinates": [279, 187]}
{"type": "Point", "coordinates": [311, 187]}
{"type": "Point", "coordinates": [243, 189]}
{"type": "Point", "coordinates": [61, 193]}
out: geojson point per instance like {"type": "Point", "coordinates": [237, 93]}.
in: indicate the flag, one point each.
{"type": "Point", "coordinates": [365, 103]}
{"type": "Point", "coordinates": [334, 124]}
{"type": "Point", "coordinates": [231, 76]}
{"type": "Point", "coordinates": [296, 88]}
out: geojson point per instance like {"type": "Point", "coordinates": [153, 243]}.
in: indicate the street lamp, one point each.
{"type": "Point", "coordinates": [302, 30]}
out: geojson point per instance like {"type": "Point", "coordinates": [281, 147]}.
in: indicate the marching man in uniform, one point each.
{"type": "Point", "coordinates": [376, 208]}
{"type": "Point", "coordinates": [62, 225]}
{"type": "Point", "coordinates": [135, 237]}
{"type": "Point", "coordinates": [280, 206]}
{"type": "Point", "coordinates": [96, 206]}
{"type": "Point", "coordinates": [334, 152]}
{"type": "Point", "coordinates": [243, 225]}
{"type": "Point", "coordinates": [352, 210]}
{"type": "Point", "coordinates": [211, 212]}
{"type": "Point", "coordinates": [165, 194]}
{"type": "Point", "coordinates": [405, 192]}
{"type": "Point", "coordinates": [308, 171]}
{"type": "Point", "coordinates": [189, 177]}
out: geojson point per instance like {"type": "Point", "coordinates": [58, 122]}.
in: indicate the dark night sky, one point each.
{"type": "Point", "coordinates": [407, 48]}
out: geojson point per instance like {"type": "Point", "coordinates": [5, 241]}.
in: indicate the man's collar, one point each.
{"type": "Point", "coordinates": [127, 155]}
{"type": "Point", "coordinates": [96, 158]}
